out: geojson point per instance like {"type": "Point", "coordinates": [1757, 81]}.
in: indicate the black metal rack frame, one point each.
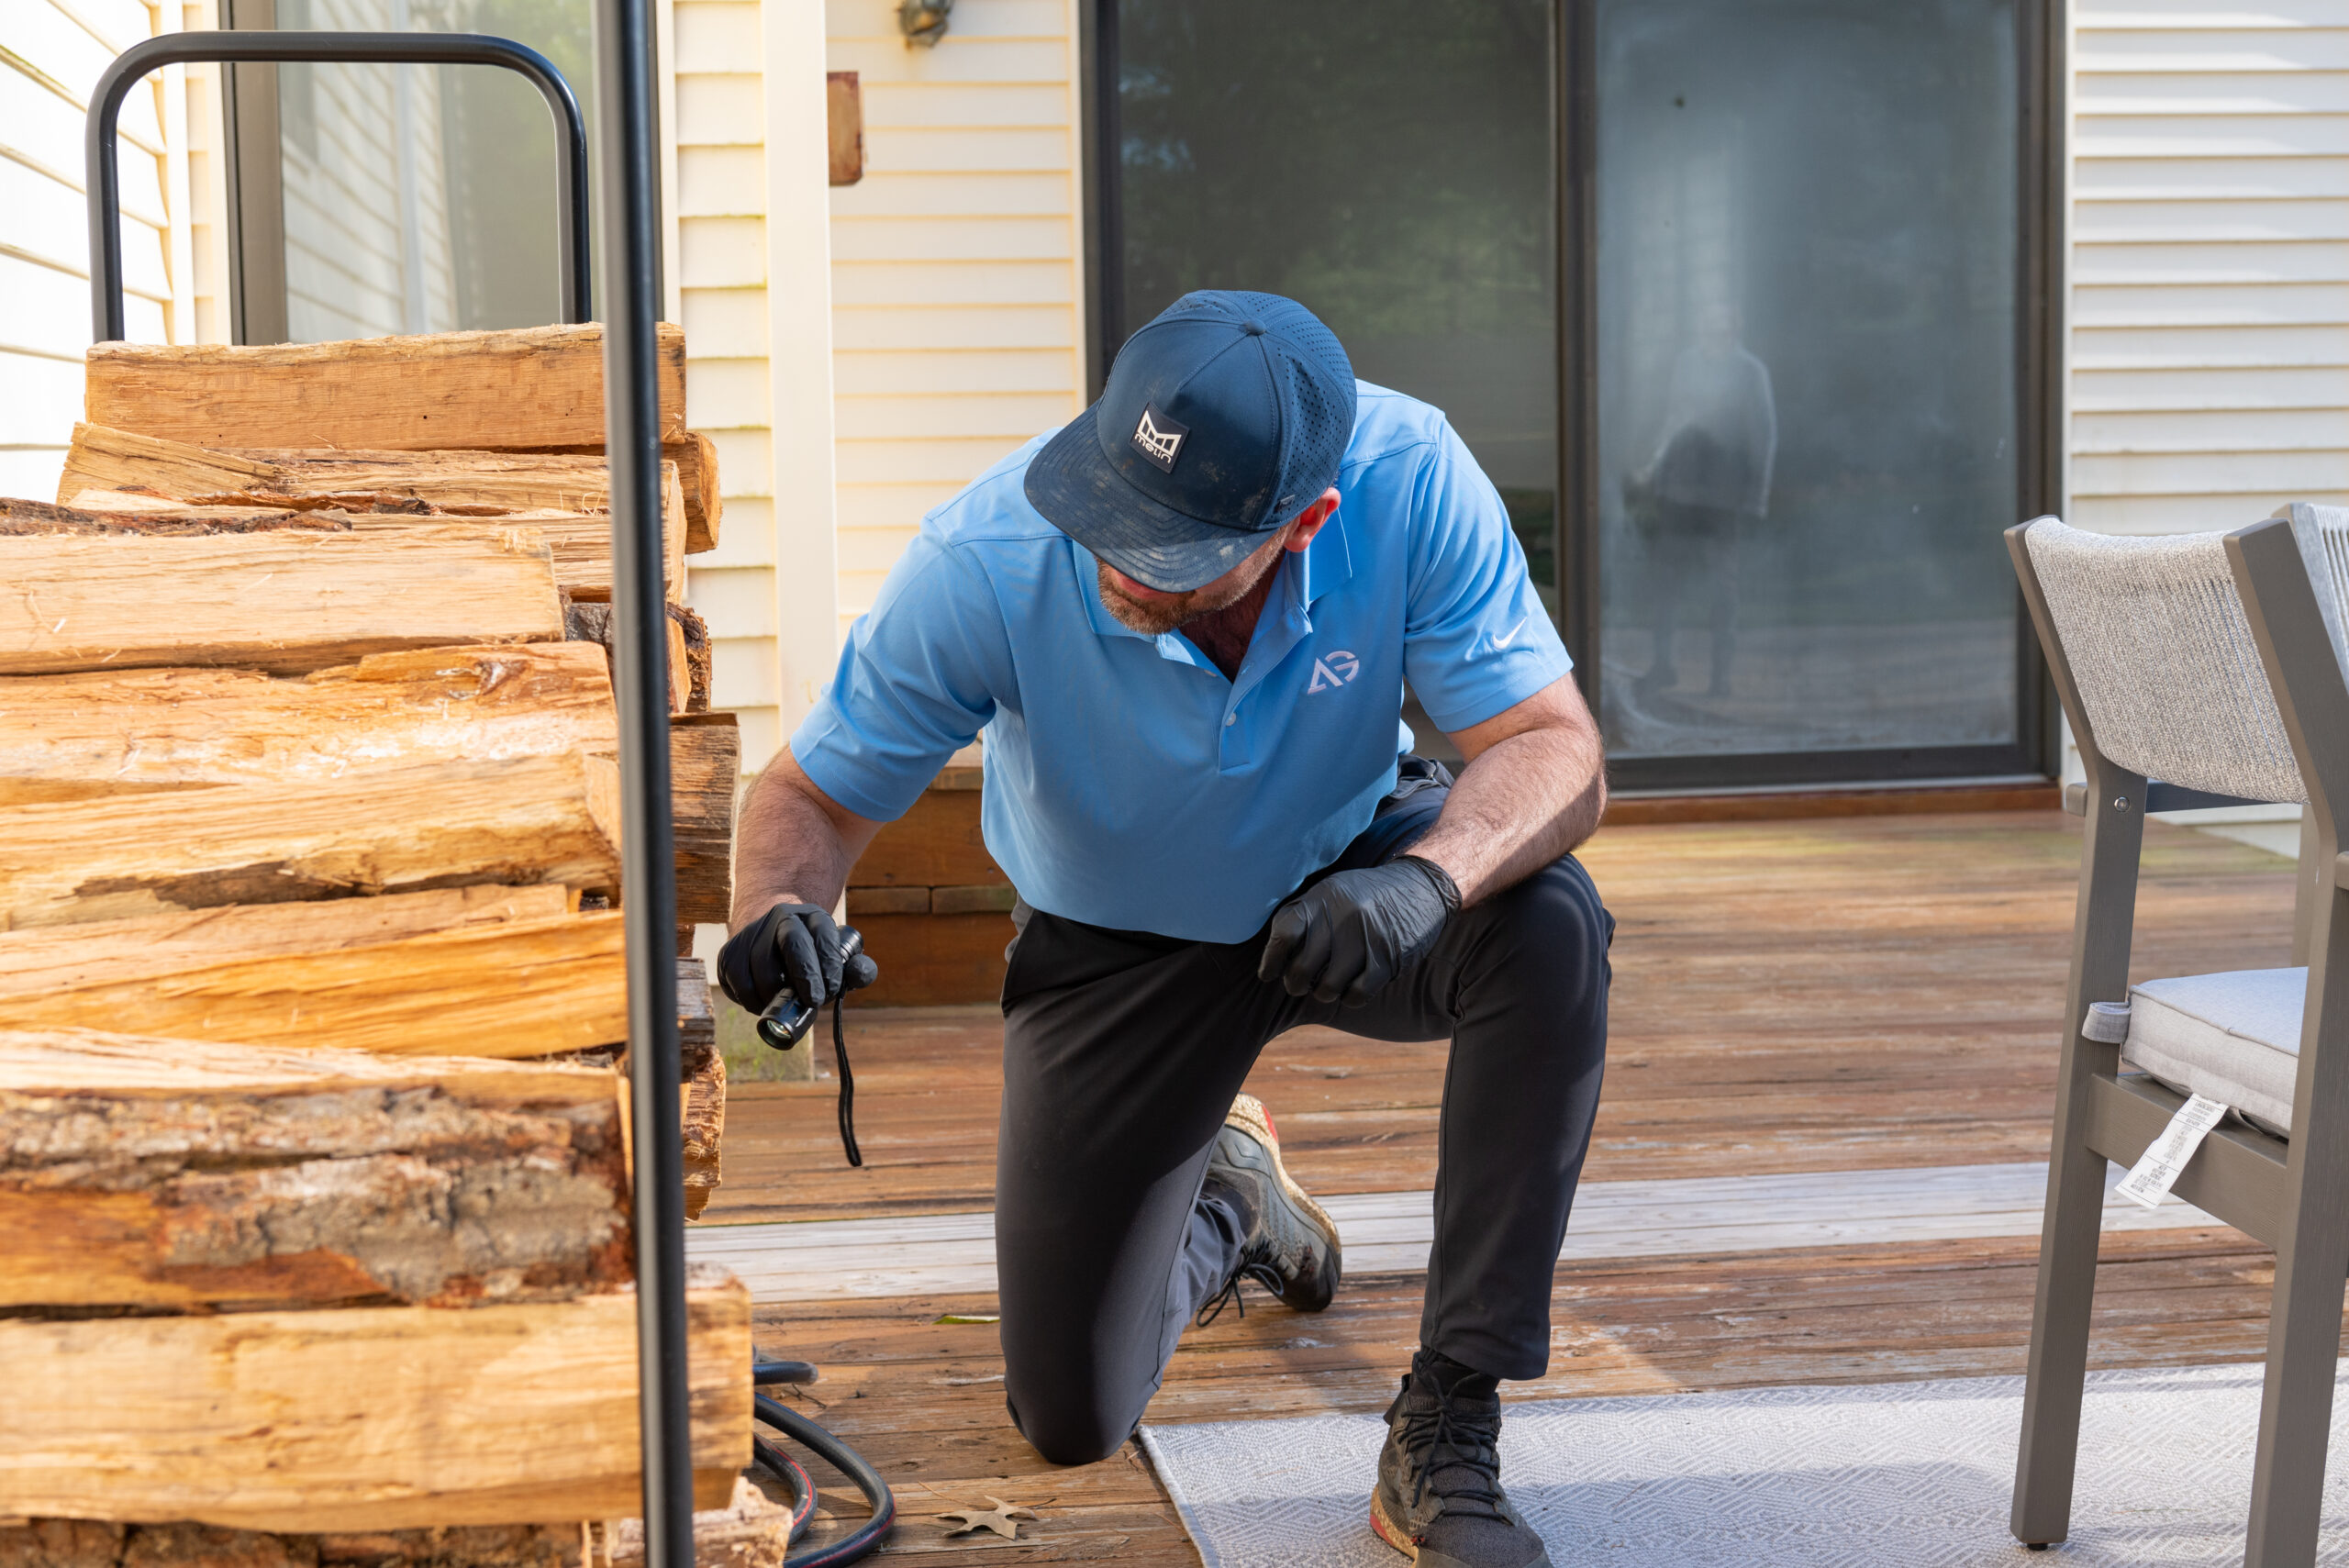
{"type": "Point", "coordinates": [631, 249]}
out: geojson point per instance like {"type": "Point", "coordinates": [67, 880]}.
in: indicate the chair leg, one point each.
{"type": "Point", "coordinates": [2059, 1343]}
{"type": "Point", "coordinates": [2295, 1411]}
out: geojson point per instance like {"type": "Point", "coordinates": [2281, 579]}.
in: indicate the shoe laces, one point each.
{"type": "Point", "coordinates": [1230, 1294]}
{"type": "Point", "coordinates": [1450, 1440]}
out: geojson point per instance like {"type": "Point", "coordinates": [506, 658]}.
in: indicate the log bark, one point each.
{"type": "Point", "coordinates": [176, 1174]}
{"type": "Point", "coordinates": [690, 666]}
{"type": "Point", "coordinates": [532, 819]}
{"type": "Point", "coordinates": [704, 766]}
{"type": "Point", "coordinates": [362, 1418]}
{"type": "Point", "coordinates": [121, 732]}
{"type": "Point", "coordinates": [703, 1103]}
{"type": "Point", "coordinates": [284, 600]}
{"type": "Point", "coordinates": [540, 387]}
{"type": "Point", "coordinates": [504, 988]}
{"type": "Point", "coordinates": [158, 517]}
{"type": "Point", "coordinates": [110, 461]}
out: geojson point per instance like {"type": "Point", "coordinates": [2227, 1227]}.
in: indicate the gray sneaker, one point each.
{"type": "Point", "coordinates": [1288, 1244]}
{"type": "Point", "coordinates": [1438, 1500]}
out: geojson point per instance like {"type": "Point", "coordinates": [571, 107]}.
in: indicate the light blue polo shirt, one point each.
{"type": "Point", "coordinates": [1129, 783]}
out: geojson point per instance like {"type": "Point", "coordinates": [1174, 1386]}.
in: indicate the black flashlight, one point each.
{"type": "Point", "coordinates": [787, 1019]}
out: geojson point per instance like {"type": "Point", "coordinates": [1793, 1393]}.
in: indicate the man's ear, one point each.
{"type": "Point", "coordinates": [1309, 521]}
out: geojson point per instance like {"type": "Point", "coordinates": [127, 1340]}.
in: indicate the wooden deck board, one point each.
{"type": "Point", "coordinates": [1805, 996]}
{"type": "Point", "coordinates": [1821, 996]}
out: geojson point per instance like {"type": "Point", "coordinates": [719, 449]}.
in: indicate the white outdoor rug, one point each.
{"type": "Point", "coordinates": [1890, 1476]}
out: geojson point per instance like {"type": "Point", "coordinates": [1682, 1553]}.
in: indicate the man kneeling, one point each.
{"type": "Point", "coordinates": [1183, 623]}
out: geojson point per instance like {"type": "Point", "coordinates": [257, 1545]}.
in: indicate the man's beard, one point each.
{"type": "Point", "coordinates": [1159, 616]}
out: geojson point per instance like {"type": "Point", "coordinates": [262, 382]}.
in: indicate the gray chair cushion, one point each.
{"type": "Point", "coordinates": [2235, 1037]}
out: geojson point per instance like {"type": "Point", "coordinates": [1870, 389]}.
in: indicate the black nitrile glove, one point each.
{"type": "Point", "coordinates": [1349, 934]}
{"type": "Point", "coordinates": [791, 944]}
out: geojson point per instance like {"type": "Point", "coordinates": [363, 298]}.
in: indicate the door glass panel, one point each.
{"type": "Point", "coordinates": [1389, 166]}
{"type": "Point", "coordinates": [422, 198]}
{"type": "Point", "coordinates": [1807, 290]}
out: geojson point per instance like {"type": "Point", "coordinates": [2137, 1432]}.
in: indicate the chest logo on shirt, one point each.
{"type": "Point", "coordinates": [1332, 671]}
{"type": "Point", "coordinates": [1158, 438]}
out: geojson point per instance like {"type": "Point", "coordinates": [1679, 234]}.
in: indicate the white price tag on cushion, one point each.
{"type": "Point", "coordinates": [2156, 1170]}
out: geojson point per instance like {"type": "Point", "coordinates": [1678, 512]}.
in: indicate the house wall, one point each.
{"type": "Point", "coordinates": [174, 247]}
{"type": "Point", "coordinates": [957, 263]}
{"type": "Point", "coordinates": [2209, 304]}
{"type": "Point", "coordinates": [746, 130]}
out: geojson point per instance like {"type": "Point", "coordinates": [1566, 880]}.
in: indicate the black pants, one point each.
{"type": "Point", "coordinates": [1121, 1053]}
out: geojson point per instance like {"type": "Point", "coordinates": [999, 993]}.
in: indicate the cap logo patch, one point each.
{"type": "Point", "coordinates": [1158, 438]}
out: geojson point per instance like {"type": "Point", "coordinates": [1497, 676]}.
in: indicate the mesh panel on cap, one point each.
{"type": "Point", "coordinates": [1323, 424]}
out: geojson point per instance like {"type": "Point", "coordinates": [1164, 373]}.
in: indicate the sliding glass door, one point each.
{"type": "Point", "coordinates": [1738, 301]}
{"type": "Point", "coordinates": [1388, 164]}
{"type": "Point", "coordinates": [1807, 427]}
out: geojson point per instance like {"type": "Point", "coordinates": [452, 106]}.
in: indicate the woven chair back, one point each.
{"type": "Point", "coordinates": [2161, 653]}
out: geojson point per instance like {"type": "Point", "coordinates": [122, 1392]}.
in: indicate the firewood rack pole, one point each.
{"type": "Point", "coordinates": [630, 251]}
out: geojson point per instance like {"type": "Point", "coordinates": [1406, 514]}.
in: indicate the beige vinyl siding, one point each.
{"type": "Point", "coordinates": [51, 52]}
{"type": "Point", "coordinates": [2210, 303]}
{"type": "Point", "coordinates": [720, 205]}
{"type": "Point", "coordinates": [739, 71]}
{"type": "Point", "coordinates": [956, 307]}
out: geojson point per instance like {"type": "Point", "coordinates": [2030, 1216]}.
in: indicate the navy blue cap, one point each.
{"type": "Point", "coordinates": [1223, 419]}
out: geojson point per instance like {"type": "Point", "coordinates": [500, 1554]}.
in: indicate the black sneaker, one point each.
{"type": "Point", "coordinates": [1440, 1500]}
{"type": "Point", "coordinates": [1288, 1244]}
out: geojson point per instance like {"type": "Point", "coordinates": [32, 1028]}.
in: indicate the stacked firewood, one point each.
{"type": "Point", "coordinates": [314, 1203]}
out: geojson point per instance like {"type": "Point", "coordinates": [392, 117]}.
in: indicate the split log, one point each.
{"type": "Point", "coordinates": [164, 944]}
{"type": "Point", "coordinates": [284, 600]}
{"type": "Point", "coordinates": [538, 386]}
{"type": "Point", "coordinates": [362, 1418]}
{"type": "Point", "coordinates": [109, 460]}
{"type": "Point", "coordinates": [504, 988]}
{"type": "Point", "coordinates": [110, 731]}
{"type": "Point", "coordinates": [690, 665]}
{"type": "Point", "coordinates": [705, 767]}
{"type": "Point", "coordinates": [696, 460]}
{"type": "Point", "coordinates": [156, 516]}
{"type": "Point", "coordinates": [750, 1531]}
{"type": "Point", "coordinates": [579, 542]}
{"type": "Point", "coordinates": [177, 1174]}
{"type": "Point", "coordinates": [545, 819]}
{"type": "Point", "coordinates": [703, 1103]}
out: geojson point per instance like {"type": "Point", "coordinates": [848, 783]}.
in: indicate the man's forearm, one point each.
{"type": "Point", "coordinates": [1522, 802]}
{"type": "Point", "coordinates": [791, 848]}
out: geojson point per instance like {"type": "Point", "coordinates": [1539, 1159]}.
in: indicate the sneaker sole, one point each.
{"type": "Point", "coordinates": [1390, 1532]}
{"type": "Point", "coordinates": [1248, 1114]}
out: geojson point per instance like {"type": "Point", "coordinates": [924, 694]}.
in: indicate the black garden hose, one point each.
{"type": "Point", "coordinates": [829, 1449]}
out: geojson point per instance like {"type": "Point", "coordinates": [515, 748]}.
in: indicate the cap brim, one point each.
{"type": "Point", "coordinates": [1080, 494]}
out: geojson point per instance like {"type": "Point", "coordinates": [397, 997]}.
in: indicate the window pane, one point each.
{"type": "Point", "coordinates": [1806, 297]}
{"type": "Point", "coordinates": [1388, 164]}
{"type": "Point", "coordinates": [422, 198]}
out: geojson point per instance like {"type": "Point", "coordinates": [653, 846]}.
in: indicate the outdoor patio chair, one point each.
{"type": "Point", "coordinates": [2211, 662]}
